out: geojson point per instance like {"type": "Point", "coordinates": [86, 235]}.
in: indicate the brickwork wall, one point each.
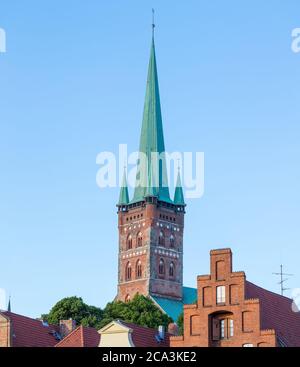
{"type": "Point", "coordinates": [150, 220]}
{"type": "Point", "coordinates": [202, 321]}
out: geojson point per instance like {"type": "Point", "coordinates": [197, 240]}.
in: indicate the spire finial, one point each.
{"type": "Point", "coordinates": [153, 24]}
{"type": "Point", "coordinates": [9, 305]}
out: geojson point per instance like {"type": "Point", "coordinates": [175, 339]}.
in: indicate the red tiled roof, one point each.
{"type": "Point", "coordinates": [81, 337]}
{"type": "Point", "coordinates": [145, 337]}
{"type": "Point", "coordinates": [277, 314]}
{"type": "Point", "coordinates": [28, 332]}
{"type": "Point", "coordinates": [89, 337]}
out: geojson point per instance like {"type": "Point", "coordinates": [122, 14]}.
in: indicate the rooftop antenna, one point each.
{"type": "Point", "coordinates": [153, 24]}
{"type": "Point", "coordinates": [282, 280]}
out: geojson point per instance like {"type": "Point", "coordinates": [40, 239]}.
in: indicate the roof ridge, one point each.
{"type": "Point", "coordinates": [7, 313]}
{"type": "Point", "coordinates": [266, 290]}
{"type": "Point", "coordinates": [68, 336]}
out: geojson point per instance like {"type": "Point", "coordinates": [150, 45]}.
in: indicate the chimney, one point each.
{"type": "Point", "coordinates": [161, 332]}
{"type": "Point", "coordinates": [173, 329]}
{"type": "Point", "coordinates": [66, 327]}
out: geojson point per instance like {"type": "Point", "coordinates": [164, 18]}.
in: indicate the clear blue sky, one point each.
{"type": "Point", "coordinates": [72, 84]}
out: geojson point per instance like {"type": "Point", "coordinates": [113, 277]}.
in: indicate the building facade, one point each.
{"type": "Point", "coordinates": [232, 312]}
{"type": "Point", "coordinates": [151, 225]}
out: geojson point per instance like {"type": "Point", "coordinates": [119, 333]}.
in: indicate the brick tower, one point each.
{"type": "Point", "coordinates": [151, 224]}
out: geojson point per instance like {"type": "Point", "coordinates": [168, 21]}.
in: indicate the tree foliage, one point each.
{"type": "Point", "coordinates": [140, 310]}
{"type": "Point", "coordinates": [180, 324]}
{"type": "Point", "coordinates": [75, 308]}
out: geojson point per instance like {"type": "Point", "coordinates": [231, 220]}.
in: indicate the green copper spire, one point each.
{"type": "Point", "coordinates": [9, 306]}
{"type": "Point", "coordinates": [178, 196]}
{"type": "Point", "coordinates": [124, 197]}
{"type": "Point", "coordinates": [151, 190]}
{"type": "Point", "coordinates": [152, 141]}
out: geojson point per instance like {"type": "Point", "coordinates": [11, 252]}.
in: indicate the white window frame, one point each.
{"type": "Point", "coordinates": [221, 294]}
{"type": "Point", "coordinates": [231, 328]}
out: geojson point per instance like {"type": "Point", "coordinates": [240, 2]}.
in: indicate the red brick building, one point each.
{"type": "Point", "coordinates": [232, 312]}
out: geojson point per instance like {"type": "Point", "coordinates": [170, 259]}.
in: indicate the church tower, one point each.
{"type": "Point", "coordinates": [151, 224]}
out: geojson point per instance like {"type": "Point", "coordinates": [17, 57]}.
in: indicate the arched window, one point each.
{"type": "Point", "coordinates": [127, 298]}
{"type": "Point", "coordinates": [139, 240]}
{"type": "Point", "coordinates": [172, 241]}
{"type": "Point", "coordinates": [161, 239]}
{"type": "Point", "coordinates": [171, 269]}
{"type": "Point", "coordinates": [139, 269]}
{"type": "Point", "coordinates": [161, 267]}
{"type": "Point", "coordinates": [128, 271]}
{"type": "Point", "coordinates": [129, 242]}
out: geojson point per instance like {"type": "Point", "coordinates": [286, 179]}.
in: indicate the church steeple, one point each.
{"type": "Point", "coordinates": [178, 196]}
{"type": "Point", "coordinates": [151, 225]}
{"type": "Point", "coordinates": [152, 144]}
{"type": "Point", "coordinates": [124, 197]}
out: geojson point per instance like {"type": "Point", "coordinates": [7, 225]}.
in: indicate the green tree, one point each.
{"type": "Point", "coordinates": [180, 324]}
{"type": "Point", "coordinates": [140, 310]}
{"type": "Point", "coordinates": [75, 308]}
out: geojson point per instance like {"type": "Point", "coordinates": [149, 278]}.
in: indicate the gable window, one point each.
{"type": "Point", "coordinates": [139, 269]}
{"type": "Point", "coordinates": [161, 267]}
{"type": "Point", "coordinates": [139, 240]}
{"type": "Point", "coordinates": [161, 239]}
{"type": "Point", "coordinates": [221, 294]}
{"type": "Point", "coordinates": [171, 269]}
{"type": "Point", "coordinates": [128, 272]}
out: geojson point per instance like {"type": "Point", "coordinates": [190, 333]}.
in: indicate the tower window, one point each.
{"type": "Point", "coordinates": [139, 240]}
{"type": "Point", "coordinates": [128, 272]}
{"type": "Point", "coordinates": [161, 267]}
{"type": "Point", "coordinates": [139, 269]}
{"type": "Point", "coordinates": [171, 269]}
{"type": "Point", "coordinates": [127, 298]}
{"type": "Point", "coordinates": [221, 294]}
{"type": "Point", "coordinates": [161, 239]}
{"type": "Point", "coordinates": [129, 242]}
{"type": "Point", "coordinates": [172, 241]}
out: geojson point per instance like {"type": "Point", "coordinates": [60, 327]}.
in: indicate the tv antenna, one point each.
{"type": "Point", "coordinates": [283, 280]}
